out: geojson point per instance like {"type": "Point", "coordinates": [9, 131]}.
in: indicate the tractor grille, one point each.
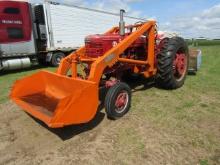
{"type": "Point", "coordinates": [94, 49]}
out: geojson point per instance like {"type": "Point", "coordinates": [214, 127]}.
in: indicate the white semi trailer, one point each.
{"type": "Point", "coordinates": [47, 32]}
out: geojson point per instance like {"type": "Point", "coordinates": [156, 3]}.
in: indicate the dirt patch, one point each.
{"type": "Point", "coordinates": [132, 139]}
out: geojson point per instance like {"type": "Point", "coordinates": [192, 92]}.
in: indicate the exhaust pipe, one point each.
{"type": "Point", "coordinates": [122, 23]}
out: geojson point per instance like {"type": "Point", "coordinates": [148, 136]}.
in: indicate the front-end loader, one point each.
{"type": "Point", "coordinates": [71, 95]}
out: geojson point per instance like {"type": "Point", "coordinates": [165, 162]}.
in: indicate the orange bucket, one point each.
{"type": "Point", "coordinates": [55, 99]}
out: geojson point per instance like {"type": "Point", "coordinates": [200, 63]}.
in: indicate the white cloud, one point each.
{"type": "Point", "coordinates": [110, 5]}
{"type": "Point", "coordinates": [206, 24]}
{"type": "Point", "coordinates": [116, 5]}
{"type": "Point", "coordinates": [74, 2]}
{"type": "Point", "coordinates": [133, 1]}
{"type": "Point", "coordinates": [213, 12]}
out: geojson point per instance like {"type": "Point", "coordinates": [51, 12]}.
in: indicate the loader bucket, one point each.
{"type": "Point", "coordinates": [56, 100]}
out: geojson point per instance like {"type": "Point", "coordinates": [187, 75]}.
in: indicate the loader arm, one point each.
{"type": "Point", "coordinates": [113, 55]}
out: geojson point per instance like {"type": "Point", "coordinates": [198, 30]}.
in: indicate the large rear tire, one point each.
{"type": "Point", "coordinates": [172, 63]}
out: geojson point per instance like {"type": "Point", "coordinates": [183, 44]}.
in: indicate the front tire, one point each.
{"type": "Point", "coordinates": [118, 100]}
{"type": "Point", "coordinates": [172, 63]}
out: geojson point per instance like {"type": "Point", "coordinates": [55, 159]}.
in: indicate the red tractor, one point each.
{"type": "Point", "coordinates": [71, 95]}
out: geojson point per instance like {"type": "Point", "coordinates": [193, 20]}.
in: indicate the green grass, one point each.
{"type": "Point", "coordinates": [204, 42]}
{"type": "Point", "coordinates": [8, 78]}
{"type": "Point", "coordinates": [191, 112]}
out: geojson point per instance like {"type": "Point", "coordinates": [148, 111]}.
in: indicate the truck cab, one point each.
{"type": "Point", "coordinates": [17, 42]}
{"type": "Point", "coordinates": [25, 37]}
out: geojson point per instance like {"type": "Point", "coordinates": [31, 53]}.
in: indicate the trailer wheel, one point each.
{"type": "Point", "coordinates": [172, 63]}
{"type": "Point", "coordinates": [56, 58]}
{"type": "Point", "coordinates": [118, 100]}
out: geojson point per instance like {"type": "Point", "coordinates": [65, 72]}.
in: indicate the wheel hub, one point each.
{"type": "Point", "coordinates": [58, 59]}
{"type": "Point", "coordinates": [121, 101]}
{"type": "Point", "coordinates": [179, 65]}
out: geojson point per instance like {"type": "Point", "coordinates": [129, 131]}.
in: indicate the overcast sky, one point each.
{"type": "Point", "coordinates": [191, 18]}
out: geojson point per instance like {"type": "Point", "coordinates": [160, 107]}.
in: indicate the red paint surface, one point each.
{"type": "Point", "coordinates": [180, 64]}
{"type": "Point", "coordinates": [21, 20]}
{"type": "Point", "coordinates": [98, 45]}
{"type": "Point", "coordinates": [121, 100]}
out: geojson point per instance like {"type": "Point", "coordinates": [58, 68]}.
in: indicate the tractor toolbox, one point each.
{"type": "Point", "coordinates": [195, 60]}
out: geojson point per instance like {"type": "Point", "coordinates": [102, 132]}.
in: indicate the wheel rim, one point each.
{"type": "Point", "coordinates": [121, 101]}
{"type": "Point", "coordinates": [179, 66]}
{"type": "Point", "coordinates": [58, 59]}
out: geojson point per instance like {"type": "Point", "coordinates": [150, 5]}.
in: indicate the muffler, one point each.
{"type": "Point", "coordinates": [122, 23]}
